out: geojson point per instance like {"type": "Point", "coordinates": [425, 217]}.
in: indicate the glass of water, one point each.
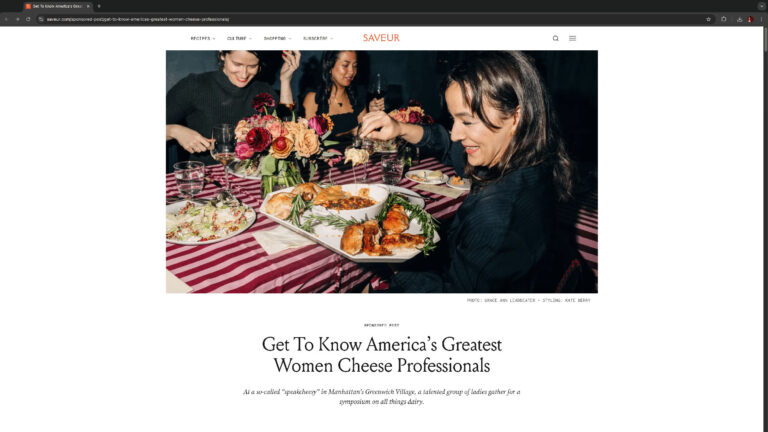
{"type": "Point", "coordinates": [190, 178]}
{"type": "Point", "coordinates": [392, 169]}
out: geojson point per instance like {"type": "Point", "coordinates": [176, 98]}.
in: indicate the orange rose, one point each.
{"type": "Point", "coordinates": [241, 130]}
{"type": "Point", "coordinates": [281, 147]}
{"type": "Point", "coordinates": [307, 143]}
{"type": "Point", "coordinates": [293, 130]}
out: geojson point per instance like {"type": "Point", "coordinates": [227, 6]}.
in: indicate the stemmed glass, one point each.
{"type": "Point", "coordinates": [378, 88]}
{"type": "Point", "coordinates": [367, 145]}
{"type": "Point", "coordinates": [190, 178]}
{"type": "Point", "coordinates": [224, 147]}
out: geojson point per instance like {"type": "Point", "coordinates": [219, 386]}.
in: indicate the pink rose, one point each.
{"type": "Point", "coordinates": [244, 151]}
{"type": "Point", "coordinates": [276, 128]}
{"type": "Point", "coordinates": [400, 116]}
{"type": "Point", "coordinates": [265, 120]}
{"type": "Point", "coordinates": [319, 124]}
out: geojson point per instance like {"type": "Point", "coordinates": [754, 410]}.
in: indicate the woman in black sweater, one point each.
{"type": "Point", "coordinates": [504, 139]}
{"type": "Point", "coordinates": [337, 95]}
{"type": "Point", "coordinates": [199, 101]}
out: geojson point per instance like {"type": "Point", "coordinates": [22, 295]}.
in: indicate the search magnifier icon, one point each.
{"type": "Point", "coordinates": [555, 38]}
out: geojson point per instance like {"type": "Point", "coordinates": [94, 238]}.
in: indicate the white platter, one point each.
{"type": "Point", "coordinates": [330, 237]}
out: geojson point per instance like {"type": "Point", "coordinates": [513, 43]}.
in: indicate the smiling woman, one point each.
{"type": "Point", "coordinates": [337, 96]}
{"type": "Point", "coordinates": [199, 101]}
{"type": "Point", "coordinates": [505, 138]}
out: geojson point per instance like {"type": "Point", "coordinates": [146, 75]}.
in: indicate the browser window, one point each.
{"type": "Point", "coordinates": [547, 218]}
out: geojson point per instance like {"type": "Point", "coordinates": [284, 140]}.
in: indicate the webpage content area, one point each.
{"type": "Point", "coordinates": [672, 339]}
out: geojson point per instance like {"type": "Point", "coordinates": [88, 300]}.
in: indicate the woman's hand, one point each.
{"type": "Point", "coordinates": [291, 60]}
{"type": "Point", "coordinates": [376, 105]}
{"type": "Point", "coordinates": [379, 125]}
{"type": "Point", "coordinates": [192, 141]}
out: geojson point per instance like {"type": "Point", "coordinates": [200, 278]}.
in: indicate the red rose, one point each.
{"type": "Point", "coordinates": [259, 138]}
{"type": "Point", "coordinates": [262, 100]}
{"type": "Point", "coordinates": [428, 119]}
{"type": "Point", "coordinates": [414, 117]}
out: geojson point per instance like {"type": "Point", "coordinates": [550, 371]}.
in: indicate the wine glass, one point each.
{"type": "Point", "coordinates": [362, 144]}
{"type": "Point", "coordinates": [378, 88]}
{"type": "Point", "coordinates": [224, 147]}
{"type": "Point", "coordinates": [190, 178]}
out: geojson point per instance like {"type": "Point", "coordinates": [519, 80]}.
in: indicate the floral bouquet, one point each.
{"type": "Point", "coordinates": [413, 113]}
{"type": "Point", "coordinates": [282, 145]}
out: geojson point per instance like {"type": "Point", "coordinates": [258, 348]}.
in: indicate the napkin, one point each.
{"type": "Point", "coordinates": [280, 239]}
{"type": "Point", "coordinates": [440, 190]}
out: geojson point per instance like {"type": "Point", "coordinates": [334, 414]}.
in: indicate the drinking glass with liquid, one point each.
{"type": "Point", "coordinates": [392, 169]}
{"type": "Point", "coordinates": [224, 147]}
{"type": "Point", "coordinates": [190, 178]}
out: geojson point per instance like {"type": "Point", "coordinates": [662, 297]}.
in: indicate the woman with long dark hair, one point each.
{"type": "Point", "coordinates": [505, 139]}
{"type": "Point", "coordinates": [337, 96]}
{"type": "Point", "coordinates": [199, 101]}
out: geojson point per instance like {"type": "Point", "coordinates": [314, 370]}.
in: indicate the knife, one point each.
{"type": "Point", "coordinates": [212, 181]}
{"type": "Point", "coordinates": [416, 195]}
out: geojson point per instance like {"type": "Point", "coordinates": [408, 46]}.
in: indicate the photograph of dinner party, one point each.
{"type": "Point", "coordinates": [381, 172]}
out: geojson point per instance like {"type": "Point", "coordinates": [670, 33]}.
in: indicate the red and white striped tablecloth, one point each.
{"type": "Point", "coordinates": [240, 264]}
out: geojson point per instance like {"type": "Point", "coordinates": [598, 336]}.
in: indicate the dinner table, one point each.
{"type": "Point", "coordinates": [240, 264]}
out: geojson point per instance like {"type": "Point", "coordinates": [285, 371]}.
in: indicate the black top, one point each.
{"type": "Point", "coordinates": [497, 237]}
{"type": "Point", "coordinates": [341, 122]}
{"type": "Point", "coordinates": [200, 101]}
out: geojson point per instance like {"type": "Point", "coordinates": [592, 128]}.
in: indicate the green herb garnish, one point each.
{"type": "Point", "coordinates": [330, 220]}
{"type": "Point", "coordinates": [298, 206]}
{"type": "Point", "coordinates": [428, 223]}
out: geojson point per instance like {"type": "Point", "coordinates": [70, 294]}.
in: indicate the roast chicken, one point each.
{"type": "Point", "coordinates": [396, 220]}
{"type": "Point", "coordinates": [280, 205]}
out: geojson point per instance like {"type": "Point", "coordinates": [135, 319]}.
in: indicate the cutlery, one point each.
{"type": "Point", "coordinates": [416, 195]}
{"type": "Point", "coordinates": [176, 198]}
{"type": "Point", "coordinates": [210, 180]}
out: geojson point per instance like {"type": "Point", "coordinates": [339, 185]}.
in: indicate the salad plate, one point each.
{"type": "Point", "coordinates": [188, 223]}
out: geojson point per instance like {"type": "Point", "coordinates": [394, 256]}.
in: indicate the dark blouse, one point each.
{"type": "Point", "coordinates": [200, 101]}
{"type": "Point", "coordinates": [341, 122]}
{"type": "Point", "coordinates": [497, 237]}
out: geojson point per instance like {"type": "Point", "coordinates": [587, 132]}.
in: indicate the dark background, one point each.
{"type": "Point", "coordinates": [422, 5]}
{"type": "Point", "coordinates": [571, 77]}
